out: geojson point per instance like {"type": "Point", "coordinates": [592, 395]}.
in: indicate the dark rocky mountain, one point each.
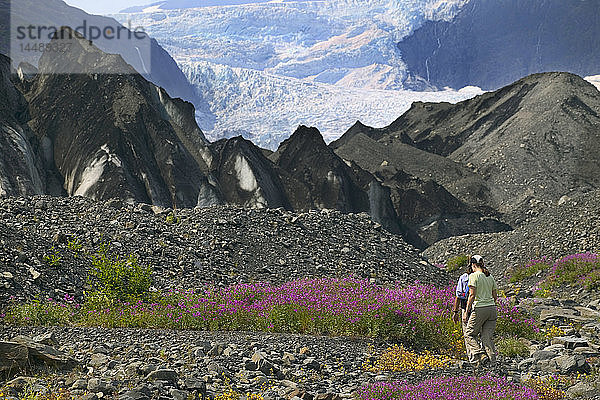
{"type": "Point", "coordinates": [19, 168]}
{"type": "Point", "coordinates": [328, 182]}
{"type": "Point", "coordinates": [523, 146]}
{"type": "Point", "coordinates": [421, 186]}
{"type": "Point", "coordinates": [132, 141]}
{"type": "Point", "coordinates": [440, 170]}
{"type": "Point", "coordinates": [492, 43]}
{"type": "Point", "coordinates": [162, 70]}
{"type": "Point", "coordinates": [129, 138]}
{"type": "Point", "coordinates": [246, 176]}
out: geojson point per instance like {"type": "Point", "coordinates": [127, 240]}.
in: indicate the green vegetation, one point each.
{"type": "Point", "coordinates": [172, 219]}
{"type": "Point", "coordinates": [418, 317]}
{"type": "Point", "coordinates": [530, 269]}
{"type": "Point", "coordinates": [75, 246]}
{"type": "Point", "coordinates": [53, 259]}
{"type": "Point", "coordinates": [576, 269]}
{"type": "Point", "coordinates": [512, 347]}
{"type": "Point", "coordinates": [116, 278]}
{"type": "Point", "coordinates": [458, 262]}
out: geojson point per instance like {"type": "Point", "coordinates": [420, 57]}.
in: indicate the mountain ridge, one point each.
{"type": "Point", "coordinates": [539, 121]}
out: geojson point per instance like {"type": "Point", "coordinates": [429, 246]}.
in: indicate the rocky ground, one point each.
{"type": "Point", "coordinates": [191, 247]}
{"type": "Point", "coordinates": [571, 226]}
{"type": "Point", "coordinates": [225, 245]}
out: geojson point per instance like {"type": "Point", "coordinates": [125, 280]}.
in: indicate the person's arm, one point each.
{"type": "Point", "coordinates": [472, 294]}
{"type": "Point", "coordinates": [456, 310]}
{"type": "Point", "coordinates": [495, 295]}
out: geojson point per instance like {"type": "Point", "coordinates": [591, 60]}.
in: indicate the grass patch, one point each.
{"type": "Point", "coordinates": [581, 269]}
{"type": "Point", "coordinates": [530, 269]}
{"type": "Point", "coordinates": [512, 347]}
{"type": "Point", "coordinates": [417, 317]}
{"type": "Point", "coordinates": [576, 269]}
{"type": "Point", "coordinates": [458, 262]}
{"type": "Point", "coordinates": [117, 278]}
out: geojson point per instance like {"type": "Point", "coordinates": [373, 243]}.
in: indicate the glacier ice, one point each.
{"type": "Point", "coordinates": [267, 67]}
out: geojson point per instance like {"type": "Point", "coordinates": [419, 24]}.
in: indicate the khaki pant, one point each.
{"type": "Point", "coordinates": [482, 321]}
{"type": "Point", "coordinates": [464, 330]}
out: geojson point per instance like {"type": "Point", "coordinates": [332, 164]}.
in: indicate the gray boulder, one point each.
{"type": "Point", "coordinates": [571, 364]}
{"type": "Point", "coordinates": [13, 356]}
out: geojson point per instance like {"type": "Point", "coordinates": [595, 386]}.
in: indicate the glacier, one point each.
{"type": "Point", "coordinates": [266, 67]}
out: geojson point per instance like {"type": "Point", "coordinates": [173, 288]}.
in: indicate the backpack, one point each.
{"type": "Point", "coordinates": [462, 288]}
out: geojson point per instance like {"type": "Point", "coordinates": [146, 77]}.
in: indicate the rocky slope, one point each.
{"type": "Point", "coordinates": [523, 143]}
{"type": "Point", "coordinates": [19, 174]}
{"type": "Point", "coordinates": [152, 61]}
{"type": "Point", "coordinates": [431, 194]}
{"type": "Point", "coordinates": [218, 245]}
{"type": "Point", "coordinates": [492, 43]}
{"type": "Point", "coordinates": [571, 226]}
{"type": "Point", "coordinates": [129, 140]}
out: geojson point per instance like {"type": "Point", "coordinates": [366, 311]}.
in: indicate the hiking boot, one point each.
{"type": "Point", "coordinates": [477, 364]}
{"type": "Point", "coordinates": [484, 361]}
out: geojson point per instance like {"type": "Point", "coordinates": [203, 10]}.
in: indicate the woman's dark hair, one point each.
{"type": "Point", "coordinates": [480, 264]}
{"type": "Point", "coordinates": [469, 268]}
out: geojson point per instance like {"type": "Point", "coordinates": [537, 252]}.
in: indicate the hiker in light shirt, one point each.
{"type": "Point", "coordinates": [481, 314]}
{"type": "Point", "coordinates": [460, 300]}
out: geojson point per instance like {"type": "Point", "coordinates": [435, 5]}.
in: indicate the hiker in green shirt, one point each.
{"type": "Point", "coordinates": [481, 314]}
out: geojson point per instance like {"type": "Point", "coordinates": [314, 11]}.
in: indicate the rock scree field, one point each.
{"type": "Point", "coordinates": [130, 301]}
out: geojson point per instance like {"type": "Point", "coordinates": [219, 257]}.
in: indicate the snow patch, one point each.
{"type": "Point", "coordinates": [112, 158]}
{"type": "Point", "coordinates": [247, 181]}
{"type": "Point", "coordinates": [333, 178]}
{"type": "Point", "coordinates": [152, 9]}
{"type": "Point", "coordinates": [91, 175]}
{"type": "Point", "coordinates": [594, 80]}
{"type": "Point", "coordinates": [245, 175]}
{"type": "Point", "coordinates": [23, 146]}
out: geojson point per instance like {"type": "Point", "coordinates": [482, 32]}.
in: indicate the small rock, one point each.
{"type": "Point", "coordinates": [134, 395]}
{"type": "Point", "coordinates": [543, 355]}
{"type": "Point", "coordinates": [163, 375]}
{"type": "Point", "coordinates": [49, 339]}
{"type": "Point", "coordinates": [79, 384]}
{"type": "Point", "coordinates": [526, 364]}
{"type": "Point", "coordinates": [34, 274]}
{"type": "Point", "coordinates": [96, 385]}
{"type": "Point", "coordinates": [98, 359]}
{"type": "Point", "coordinates": [570, 342]}
{"type": "Point", "coordinates": [312, 364]}
{"type": "Point", "coordinates": [178, 394]}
